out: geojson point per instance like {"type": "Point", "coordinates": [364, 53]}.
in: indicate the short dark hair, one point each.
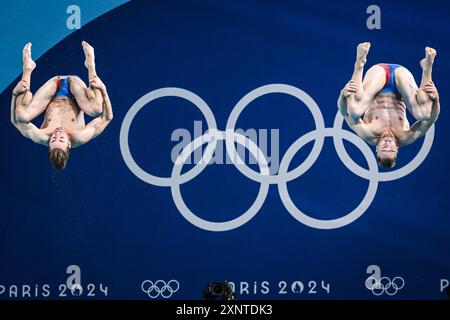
{"type": "Point", "coordinates": [58, 157]}
{"type": "Point", "coordinates": [386, 162]}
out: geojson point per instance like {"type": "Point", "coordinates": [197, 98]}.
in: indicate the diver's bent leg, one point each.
{"type": "Point", "coordinates": [93, 93]}
{"type": "Point", "coordinates": [24, 99]}
{"type": "Point", "coordinates": [417, 101]}
{"type": "Point", "coordinates": [358, 102]}
{"type": "Point", "coordinates": [427, 67]}
{"type": "Point", "coordinates": [28, 106]}
{"type": "Point", "coordinates": [373, 82]}
{"type": "Point", "coordinates": [28, 63]}
{"type": "Point", "coordinates": [409, 91]}
{"type": "Point", "coordinates": [85, 97]}
{"type": "Point", "coordinates": [89, 100]}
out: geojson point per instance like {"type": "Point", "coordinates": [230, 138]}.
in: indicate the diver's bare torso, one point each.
{"type": "Point", "coordinates": [386, 112]}
{"type": "Point", "coordinates": [63, 112]}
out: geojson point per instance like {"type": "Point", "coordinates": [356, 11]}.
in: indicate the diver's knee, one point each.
{"type": "Point", "coordinates": [97, 110]}
{"type": "Point", "coordinates": [94, 110]}
{"type": "Point", "coordinates": [22, 116]}
{"type": "Point", "coordinates": [93, 114]}
{"type": "Point", "coordinates": [354, 112]}
{"type": "Point", "coordinates": [422, 115]}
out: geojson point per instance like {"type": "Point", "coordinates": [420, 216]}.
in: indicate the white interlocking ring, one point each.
{"type": "Point", "coordinates": [246, 216]}
{"type": "Point", "coordinates": [137, 106]}
{"type": "Point", "coordinates": [259, 92]}
{"type": "Point", "coordinates": [350, 217]}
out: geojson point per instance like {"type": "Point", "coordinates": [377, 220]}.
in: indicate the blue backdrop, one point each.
{"type": "Point", "coordinates": [121, 231]}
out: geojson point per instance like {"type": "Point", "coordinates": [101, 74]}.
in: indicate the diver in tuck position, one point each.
{"type": "Point", "coordinates": [65, 100]}
{"type": "Point", "coordinates": [375, 108]}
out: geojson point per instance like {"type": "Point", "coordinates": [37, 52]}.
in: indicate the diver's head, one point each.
{"type": "Point", "coordinates": [387, 150]}
{"type": "Point", "coordinates": [59, 148]}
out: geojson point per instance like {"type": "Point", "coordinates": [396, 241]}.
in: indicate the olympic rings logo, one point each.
{"type": "Point", "coordinates": [264, 177]}
{"type": "Point", "coordinates": [160, 288]}
{"type": "Point", "coordinates": [385, 285]}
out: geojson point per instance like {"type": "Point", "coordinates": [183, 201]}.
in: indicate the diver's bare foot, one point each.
{"type": "Point", "coordinates": [427, 62]}
{"type": "Point", "coordinates": [89, 54]}
{"type": "Point", "coordinates": [28, 63]}
{"type": "Point", "coordinates": [361, 53]}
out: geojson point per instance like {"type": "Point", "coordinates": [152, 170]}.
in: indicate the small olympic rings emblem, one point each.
{"type": "Point", "coordinates": [385, 285]}
{"type": "Point", "coordinates": [160, 288]}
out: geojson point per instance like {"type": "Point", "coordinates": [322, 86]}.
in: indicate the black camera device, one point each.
{"type": "Point", "coordinates": [218, 291]}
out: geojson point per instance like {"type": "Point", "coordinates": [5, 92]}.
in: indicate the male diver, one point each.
{"type": "Point", "coordinates": [375, 108]}
{"type": "Point", "coordinates": [65, 100]}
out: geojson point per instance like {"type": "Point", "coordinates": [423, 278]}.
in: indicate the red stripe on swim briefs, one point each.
{"type": "Point", "coordinates": [387, 71]}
